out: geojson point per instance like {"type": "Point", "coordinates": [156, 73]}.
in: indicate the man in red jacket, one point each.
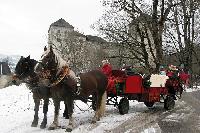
{"type": "Point", "coordinates": [106, 68]}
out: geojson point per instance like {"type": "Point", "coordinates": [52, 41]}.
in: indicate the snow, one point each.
{"type": "Point", "coordinates": [17, 111]}
{"type": "Point", "coordinates": [149, 130]}
{"type": "Point", "coordinates": [196, 88]}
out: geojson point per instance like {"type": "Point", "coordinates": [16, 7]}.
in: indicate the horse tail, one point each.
{"type": "Point", "coordinates": [103, 104]}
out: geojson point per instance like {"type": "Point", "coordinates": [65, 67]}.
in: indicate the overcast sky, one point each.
{"type": "Point", "coordinates": [24, 23]}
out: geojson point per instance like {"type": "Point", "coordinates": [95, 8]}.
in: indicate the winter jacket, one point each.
{"type": "Point", "coordinates": [107, 69]}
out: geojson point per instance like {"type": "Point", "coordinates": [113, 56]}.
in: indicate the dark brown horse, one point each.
{"type": "Point", "coordinates": [57, 74]}
{"type": "Point", "coordinates": [24, 73]}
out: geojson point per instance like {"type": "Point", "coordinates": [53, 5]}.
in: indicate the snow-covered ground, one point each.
{"type": "Point", "coordinates": [195, 88]}
{"type": "Point", "coordinates": [17, 110]}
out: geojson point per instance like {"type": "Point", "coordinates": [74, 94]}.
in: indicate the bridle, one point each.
{"type": "Point", "coordinates": [24, 76]}
{"type": "Point", "coordinates": [46, 72]}
{"type": "Point", "coordinates": [24, 72]}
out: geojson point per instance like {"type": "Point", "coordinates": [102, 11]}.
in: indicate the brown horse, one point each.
{"type": "Point", "coordinates": [54, 71]}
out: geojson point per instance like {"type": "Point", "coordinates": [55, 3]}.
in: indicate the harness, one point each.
{"type": "Point", "coordinates": [63, 73]}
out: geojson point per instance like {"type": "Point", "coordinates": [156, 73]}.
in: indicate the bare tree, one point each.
{"type": "Point", "coordinates": [182, 32]}
{"type": "Point", "coordinates": [139, 27]}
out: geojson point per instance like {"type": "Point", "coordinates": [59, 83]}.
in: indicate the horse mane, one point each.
{"type": "Point", "coordinates": [60, 63]}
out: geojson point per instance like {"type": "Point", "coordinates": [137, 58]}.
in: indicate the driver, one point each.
{"type": "Point", "coordinates": [106, 68]}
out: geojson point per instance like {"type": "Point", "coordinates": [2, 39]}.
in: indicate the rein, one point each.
{"type": "Point", "coordinates": [84, 110]}
{"type": "Point", "coordinates": [17, 77]}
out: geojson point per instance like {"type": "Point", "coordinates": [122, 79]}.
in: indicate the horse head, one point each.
{"type": "Point", "coordinates": [24, 69]}
{"type": "Point", "coordinates": [50, 65]}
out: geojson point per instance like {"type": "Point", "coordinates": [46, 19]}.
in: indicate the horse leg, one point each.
{"type": "Point", "coordinates": [36, 109]}
{"type": "Point", "coordinates": [181, 90]}
{"type": "Point", "coordinates": [45, 110]}
{"type": "Point", "coordinates": [54, 125]}
{"type": "Point", "coordinates": [65, 113]}
{"type": "Point", "coordinates": [100, 107]}
{"type": "Point", "coordinates": [70, 106]}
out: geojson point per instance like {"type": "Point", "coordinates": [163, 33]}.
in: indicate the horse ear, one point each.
{"type": "Point", "coordinates": [28, 57]}
{"type": "Point", "coordinates": [45, 48]}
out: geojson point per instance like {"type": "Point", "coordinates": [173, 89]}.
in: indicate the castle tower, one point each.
{"type": "Point", "coordinates": [58, 31]}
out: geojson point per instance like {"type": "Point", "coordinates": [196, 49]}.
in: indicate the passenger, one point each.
{"type": "Point", "coordinates": [106, 68]}
{"type": "Point", "coordinates": [172, 72]}
{"type": "Point", "coordinates": [162, 70]}
{"type": "Point", "coordinates": [184, 76]}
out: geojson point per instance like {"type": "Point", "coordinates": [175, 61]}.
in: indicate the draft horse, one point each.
{"type": "Point", "coordinates": [63, 86]}
{"type": "Point", "coordinates": [24, 73]}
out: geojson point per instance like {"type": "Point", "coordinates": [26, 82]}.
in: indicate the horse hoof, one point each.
{"type": "Point", "coordinates": [68, 129]}
{"type": "Point", "coordinates": [42, 126]}
{"type": "Point", "coordinates": [51, 128]}
{"type": "Point", "coordinates": [34, 125]}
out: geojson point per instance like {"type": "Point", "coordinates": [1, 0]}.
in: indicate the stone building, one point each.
{"type": "Point", "coordinates": [141, 34]}
{"type": "Point", "coordinates": [83, 52]}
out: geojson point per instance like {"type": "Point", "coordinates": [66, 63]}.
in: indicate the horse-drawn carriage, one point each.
{"type": "Point", "coordinates": [129, 86]}
{"type": "Point", "coordinates": [52, 78]}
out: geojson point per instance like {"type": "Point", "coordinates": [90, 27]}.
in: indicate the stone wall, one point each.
{"type": "Point", "coordinates": [81, 51]}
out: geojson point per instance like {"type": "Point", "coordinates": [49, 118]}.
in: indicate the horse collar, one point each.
{"type": "Point", "coordinates": [62, 74]}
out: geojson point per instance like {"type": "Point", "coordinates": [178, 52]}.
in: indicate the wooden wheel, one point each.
{"type": "Point", "coordinates": [169, 103]}
{"type": "Point", "coordinates": [123, 106]}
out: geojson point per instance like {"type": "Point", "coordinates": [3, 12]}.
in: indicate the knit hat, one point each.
{"type": "Point", "coordinates": [172, 67]}
{"type": "Point", "coordinates": [105, 61]}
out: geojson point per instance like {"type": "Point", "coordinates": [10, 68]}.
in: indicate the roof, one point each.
{"type": "Point", "coordinates": [62, 23]}
{"type": "Point", "coordinates": [95, 39]}
{"type": "Point", "coordinates": [75, 33]}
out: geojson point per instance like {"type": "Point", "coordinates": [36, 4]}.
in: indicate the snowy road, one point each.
{"type": "Point", "coordinates": [17, 107]}
{"type": "Point", "coordinates": [184, 118]}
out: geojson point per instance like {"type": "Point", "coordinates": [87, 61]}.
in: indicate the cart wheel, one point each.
{"type": "Point", "coordinates": [123, 106]}
{"type": "Point", "coordinates": [149, 104]}
{"type": "Point", "coordinates": [169, 103]}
